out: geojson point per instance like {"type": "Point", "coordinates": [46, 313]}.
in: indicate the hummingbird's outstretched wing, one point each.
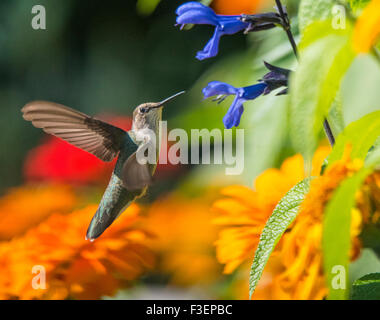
{"type": "Point", "coordinates": [92, 135]}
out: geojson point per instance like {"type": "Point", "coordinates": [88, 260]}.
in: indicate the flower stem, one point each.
{"type": "Point", "coordinates": [289, 33]}
{"type": "Point", "coordinates": [287, 27]}
{"type": "Point", "coordinates": [328, 132]}
{"type": "Point", "coordinates": [376, 53]}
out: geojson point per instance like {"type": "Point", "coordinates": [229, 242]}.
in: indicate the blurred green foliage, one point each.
{"type": "Point", "coordinates": [95, 56]}
{"type": "Point", "coordinates": [322, 86]}
{"type": "Point", "coordinates": [108, 57]}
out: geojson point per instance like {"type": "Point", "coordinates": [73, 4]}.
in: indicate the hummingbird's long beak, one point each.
{"type": "Point", "coordinates": [160, 104]}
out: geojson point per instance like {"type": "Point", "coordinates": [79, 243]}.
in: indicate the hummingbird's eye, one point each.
{"type": "Point", "coordinates": [143, 110]}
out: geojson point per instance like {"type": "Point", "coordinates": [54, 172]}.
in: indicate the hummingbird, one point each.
{"type": "Point", "coordinates": [130, 178]}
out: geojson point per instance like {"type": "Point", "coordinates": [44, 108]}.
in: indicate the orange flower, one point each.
{"type": "Point", "coordinates": [25, 207]}
{"type": "Point", "coordinates": [245, 211]}
{"type": "Point", "coordinates": [183, 239]}
{"type": "Point", "coordinates": [294, 270]}
{"type": "Point", "coordinates": [75, 268]}
{"type": "Point", "coordinates": [236, 7]}
{"type": "Point", "coordinates": [321, 189]}
{"type": "Point", "coordinates": [367, 28]}
{"type": "Point", "coordinates": [368, 199]}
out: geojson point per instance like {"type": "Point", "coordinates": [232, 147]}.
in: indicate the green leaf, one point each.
{"type": "Point", "coordinates": [315, 85]}
{"type": "Point", "coordinates": [335, 116]}
{"type": "Point", "coordinates": [373, 157]}
{"type": "Point", "coordinates": [265, 117]}
{"type": "Point", "coordinates": [367, 287]}
{"type": "Point", "coordinates": [360, 88]}
{"type": "Point", "coordinates": [312, 10]}
{"type": "Point", "coordinates": [370, 236]}
{"type": "Point", "coordinates": [336, 240]}
{"type": "Point", "coordinates": [318, 30]}
{"type": "Point", "coordinates": [368, 262]}
{"type": "Point", "coordinates": [282, 216]}
{"type": "Point", "coordinates": [360, 134]}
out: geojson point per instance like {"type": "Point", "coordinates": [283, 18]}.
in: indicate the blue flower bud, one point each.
{"type": "Point", "coordinates": [197, 13]}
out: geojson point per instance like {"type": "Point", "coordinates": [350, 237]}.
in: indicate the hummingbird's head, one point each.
{"type": "Point", "coordinates": [147, 115]}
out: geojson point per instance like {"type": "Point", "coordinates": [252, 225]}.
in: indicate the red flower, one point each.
{"type": "Point", "coordinates": [58, 161]}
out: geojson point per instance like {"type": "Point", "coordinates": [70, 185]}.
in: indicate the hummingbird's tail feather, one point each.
{"type": "Point", "coordinates": [101, 220]}
{"type": "Point", "coordinates": [114, 201]}
{"type": "Point", "coordinates": [99, 223]}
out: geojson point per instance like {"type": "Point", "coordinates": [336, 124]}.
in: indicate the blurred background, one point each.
{"type": "Point", "coordinates": [104, 58]}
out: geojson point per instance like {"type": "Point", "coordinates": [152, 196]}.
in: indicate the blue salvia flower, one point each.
{"type": "Point", "coordinates": [197, 13]}
{"type": "Point", "coordinates": [276, 78]}
{"type": "Point", "coordinates": [221, 90]}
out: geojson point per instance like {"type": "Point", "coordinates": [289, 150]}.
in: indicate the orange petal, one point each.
{"type": "Point", "coordinates": [367, 28]}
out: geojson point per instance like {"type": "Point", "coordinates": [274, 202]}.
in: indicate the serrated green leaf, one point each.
{"type": "Point", "coordinates": [312, 10]}
{"type": "Point", "coordinates": [360, 134]}
{"type": "Point", "coordinates": [315, 84]}
{"type": "Point", "coordinates": [336, 240]}
{"type": "Point", "coordinates": [367, 287]}
{"type": "Point", "coordinates": [283, 215]}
